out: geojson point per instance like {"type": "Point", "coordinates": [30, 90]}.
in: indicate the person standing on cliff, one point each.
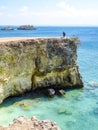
{"type": "Point", "coordinates": [64, 34]}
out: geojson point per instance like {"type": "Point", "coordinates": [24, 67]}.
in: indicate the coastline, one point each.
{"type": "Point", "coordinates": [79, 105]}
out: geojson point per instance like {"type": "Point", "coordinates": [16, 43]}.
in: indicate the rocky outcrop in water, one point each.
{"type": "Point", "coordinates": [7, 28]}
{"type": "Point", "coordinates": [27, 65]}
{"type": "Point", "coordinates": [23, 123]}
{"type": "Point", "coordinates": [26, 27]}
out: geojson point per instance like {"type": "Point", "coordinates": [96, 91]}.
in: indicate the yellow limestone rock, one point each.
{"type": "Point", "coordinates": [29, 64]}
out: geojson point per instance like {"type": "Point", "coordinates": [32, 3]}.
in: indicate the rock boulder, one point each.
{"type": "Point", "coordinates": [23, 123]}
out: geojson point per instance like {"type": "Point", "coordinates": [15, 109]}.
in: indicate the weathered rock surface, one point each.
{"type": "Point", "coordinates": [31, 64]}
{"type": "Point", "coordinates": [23, 123]}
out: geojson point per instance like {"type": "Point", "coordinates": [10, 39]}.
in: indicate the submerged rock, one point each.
{"type": "Point", "coordinates": [23, 123]}
{"type": "Point", "coordinates": [64, 111]}
{"type": "Point", "coordinates": [93, 84]}
{"type": "Point", "coordinates": [26, 65]}
{"type": "Point", "coordinates": [60, 92]}
{"type": "Point", "coordinates": [49, 92]}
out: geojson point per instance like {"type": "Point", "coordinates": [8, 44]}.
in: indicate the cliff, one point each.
{"type": "Point", "coordinates": [29, 64]}
{"type": "Point", "coordinates": [23, 123]}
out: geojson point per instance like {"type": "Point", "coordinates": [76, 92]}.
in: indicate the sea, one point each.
{"type": "Point", "coordinates": [78, 109]}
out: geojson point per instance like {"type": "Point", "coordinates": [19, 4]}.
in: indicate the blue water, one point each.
{"type": "Point", "coordinates": [78, 110]}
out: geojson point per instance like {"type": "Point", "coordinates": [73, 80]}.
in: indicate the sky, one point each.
{"type": "Point", "coordinates": [49, 12]}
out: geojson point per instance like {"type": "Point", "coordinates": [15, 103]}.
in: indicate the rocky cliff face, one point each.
{"type": "Point", "coordinates": [38, 63]}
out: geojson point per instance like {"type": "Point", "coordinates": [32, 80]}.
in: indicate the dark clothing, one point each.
{"type": "Point", "coordinates": [64, 34]}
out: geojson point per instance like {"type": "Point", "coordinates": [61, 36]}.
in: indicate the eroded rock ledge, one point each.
{"type": "Point", "coordinates": [30, 64]}
{"type": "Point", "coordinates": [23, 123]}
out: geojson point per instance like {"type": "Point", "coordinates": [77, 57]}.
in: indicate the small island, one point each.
{"type": "Point", "coordinates": [26, 27]}
{"type": "Point", "coordinates": [7, 28]}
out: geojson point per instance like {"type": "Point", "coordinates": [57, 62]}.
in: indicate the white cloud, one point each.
{"type": "Point", "coordinates": [66, 8]}
{"type": "Point", "coordinates": [61, 4]}
{"type": "Point", "coordinates": [1, 13]}
{"type": "Point", "coordinates": [3, 7]}
{"type": "Point", "coordinates": [62, 14]}
{"type": "Point", "coordinates": [9, 15]}
{"type": "Point", "coordinates": [77, 16]}
{"type": "Point", "coordinates": [23, 9]}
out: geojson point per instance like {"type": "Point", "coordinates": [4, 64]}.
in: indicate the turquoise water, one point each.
{"type": "Point", "coordinates": [78, 109]}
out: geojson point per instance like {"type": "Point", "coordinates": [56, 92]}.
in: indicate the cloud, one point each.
{"type": "Point", "coordinates": [23, 9]}
{"type": "Point", "coordinates": [1, 13]}
{"type": "Point", "coordinates": [66, 8]}
{"type": "Point", "coordinates": [63, 5]}
{"type": "Point", "coordinates": [77, 16]}
{"type": "Point", "coordinates": [69, 9]}
{"type": "Point", "coordinates": [62, 14]}
{"type": "Point", "coordinates": [3, 7]}
{"type": "Point", "coordinates": [9, 15]}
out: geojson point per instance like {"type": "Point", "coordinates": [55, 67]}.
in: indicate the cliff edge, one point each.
{"type": "Point", "coordinates": [29, 64]}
